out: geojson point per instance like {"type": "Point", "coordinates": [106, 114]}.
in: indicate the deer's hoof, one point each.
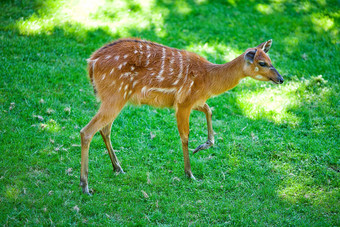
{"type": "Point", "coordinates": [85, 189]}
{"type": "Point", "coordinates": [118, 170]}
{"type": "Point", "coordinates": [190, 175]}
{"type": "Point", "coordinates": [204, 146]}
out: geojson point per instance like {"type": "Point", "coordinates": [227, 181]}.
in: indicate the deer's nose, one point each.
{"type": "Point", "coordinates": [281, 80]}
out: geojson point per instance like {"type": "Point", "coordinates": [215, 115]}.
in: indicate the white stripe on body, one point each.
{"type": "Point", "coordinates": [159, 76]}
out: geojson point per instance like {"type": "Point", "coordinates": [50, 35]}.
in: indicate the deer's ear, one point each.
{"type": "Point", "coordinates": [250, 56]}
{"type": "Point", "coordinates": [265, 46]}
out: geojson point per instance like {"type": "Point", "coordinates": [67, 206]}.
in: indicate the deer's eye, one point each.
{"type": "Point", "coordinates": [263, 64]}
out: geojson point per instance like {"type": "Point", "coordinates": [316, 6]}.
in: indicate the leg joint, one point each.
{"type": "Point", "coordinates": [209, 112]}
{"type": "Point", "coordinates": [184, 137]}
{"type": "Point", "coordinates": [85, 138]}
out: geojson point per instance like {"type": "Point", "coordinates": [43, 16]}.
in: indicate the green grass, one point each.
{"type": "Point", "coordinates": [276, 157]}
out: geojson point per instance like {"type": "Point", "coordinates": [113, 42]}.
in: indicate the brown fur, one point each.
{"type": "Point", "coordinates": [144, 72]}
{"type": "Point", "coordinates": [147, 72]}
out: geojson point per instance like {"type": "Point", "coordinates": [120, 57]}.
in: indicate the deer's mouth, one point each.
{"type": "Point", "coordinates": [273, 81]}
{"type": "Point", "coordinates": [277, 81]}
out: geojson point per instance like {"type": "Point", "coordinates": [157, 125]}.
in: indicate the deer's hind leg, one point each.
{"type": "Point", "coordinates": [105, 132]}
{"type": "Point", "coordinates": [107, 113]}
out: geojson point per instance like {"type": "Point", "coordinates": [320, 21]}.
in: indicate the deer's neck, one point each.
{"type": "Point", "coordinates": [226, 76]}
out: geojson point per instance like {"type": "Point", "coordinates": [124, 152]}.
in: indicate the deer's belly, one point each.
{"type": "Point", "coordinates": [154, 98]}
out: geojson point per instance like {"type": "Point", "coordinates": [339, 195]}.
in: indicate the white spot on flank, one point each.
{"type": "Point", "coordinates": [148, 56]}
{"type": "Point", "coordinates": [147, 59]}
{"type": "Point", "coordinates": [103, 77]}
{"type": "Point", "coordinates": [113, 83]}
{"type": "Point", "coordinates": [134, 83]}
{"type": "Point", "coordinates": [124, 95]}
{"type": "Point", "coordinates": [144, 90]}
{"type": "Point", "coordinates": [125, 56]}
{"type": "Point", "coordinates": [180, 64]}
{"type": "Point", "coordinates": [187, 64]}
{"type": "Point", "coordinates": [176, 82]}
{"type": "Point", "coordinates": [112, 70]}
{"type": "Point", "coordinates": [159, 76]}
{"type": "Point", "coordinates": [132, 68]}
{"type": "Point", "coordinates": [121, 85]}
{"type": "Point", "coordinates": [108, 56]}
{"type": "Point", "coordinates": [179, 91]}
{"type": "Point", "coordinates": [258, 77]}
{"type": "Point", "coordinates": [126, 86]}
{"type": "Point", "coordinates": [172, 60]}
{"type": "Point", "coordinates": [135, 52]}
{"type": "Point", "coordinates": [121, 65]}
{"type": "Point", "coordinates": [129, 93]}
{"type": "Point", "coordinates": [117, 58]}
{"type": "Point", "coordinates": [140, 53]}
{"type": "Point", "coordinates": [163, 90]}
{"type": "Point", "coordinates": [192, 82]}
{"type": "Point", "coordinates": [125, 74]}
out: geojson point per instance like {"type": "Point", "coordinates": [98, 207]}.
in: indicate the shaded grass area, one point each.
{"type": "Point", "coordinates": [276, 158]}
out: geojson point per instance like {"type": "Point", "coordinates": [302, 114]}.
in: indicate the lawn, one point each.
{"type": "Point", "coordinates": [276, 157]}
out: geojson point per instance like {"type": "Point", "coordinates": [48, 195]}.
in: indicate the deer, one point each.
{"type": "Point", "coordinates": [147, 73]}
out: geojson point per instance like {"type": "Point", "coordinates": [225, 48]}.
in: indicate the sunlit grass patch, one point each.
{"type": "Point", "coordinates": [272, 103]}
{"type": "Point", "coordinates": [183, 7]}
{"type": "Point", "coordinates": [50, 126]}
{"type": "Point", "coordinates": [12, 192]}
{"type": "Point", "coordinates": [279, 103]}
{"type": "Point", "coordinates": [115, 17]}
{"type": "Point", "coordinates": [265, 9]}
{"type": "Point", "coordinates": [322, 23]}
{"type": "Point", "coordinates": [301, 189]}
{"type": "Point", "coordinates": [214, 50]}
{"type": "Point", "coordinates": [301, 176]}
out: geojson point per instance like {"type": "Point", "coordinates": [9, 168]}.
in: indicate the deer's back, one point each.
{"type": "Point", "coordinates": [146, 73]}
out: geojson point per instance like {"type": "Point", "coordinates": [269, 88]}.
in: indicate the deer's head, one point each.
{"type": "Point", "coordinates": [259, 66]}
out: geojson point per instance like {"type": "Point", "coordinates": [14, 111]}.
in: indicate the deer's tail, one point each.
{"type": "Point", "coordinates": [90, 68]}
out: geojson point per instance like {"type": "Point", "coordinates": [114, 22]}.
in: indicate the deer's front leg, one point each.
{"type": "Point", "coordinates": [207, 111]}
{"type": "Point", "coordinates": [182, 115]}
